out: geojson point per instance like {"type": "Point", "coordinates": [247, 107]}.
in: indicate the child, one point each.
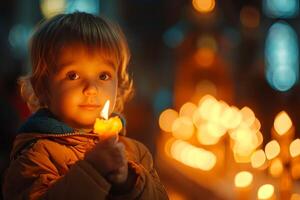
{"type": "Point", "coordinates": [78, 62]}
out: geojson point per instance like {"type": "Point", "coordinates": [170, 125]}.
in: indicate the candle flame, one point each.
{"type": "Point", "coordinates": [104, 111]}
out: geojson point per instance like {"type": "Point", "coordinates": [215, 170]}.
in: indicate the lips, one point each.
{"type": "Point", "coordinates": [89, 106]}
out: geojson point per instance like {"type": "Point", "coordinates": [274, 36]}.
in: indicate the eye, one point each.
{"type": "Point", "coordinates": [104, 76]}
{"type": "Point", "coordinates": [72, 75]}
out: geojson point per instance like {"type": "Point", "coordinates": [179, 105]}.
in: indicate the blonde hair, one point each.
{"type": "Point", "coordinates": [95, 33]}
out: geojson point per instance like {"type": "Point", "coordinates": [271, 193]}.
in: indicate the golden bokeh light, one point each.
{"type": "Point", "coordinates": [215, 112]}
{"type": "Point", "coordinates": [231, 117]}
{"type": "Point", "coordinates": [183, 128]}
{"type": "Point", "coordinates": [248, 116]}
{"type": "Point", "coordinates": [276, 168]}
{"type": "Point", "coordinates": [205, 105]}
{"type": "Point", "coordinates": [258, 158]}
{"type": "Point", "coordinates": [256, 125]}
{"type": "Point", "coordinates": [282, 123]}
{"type": "Point", "coordinates": [50, 8]}
{"type": "Point", "coordinates": [187, 110]}
{"type": "Point", "coordinates": [295, 148]}
{"type": "Point", "coordinates": [265, 192]}
{"type": "Point", "coordinates": [204, 137]}
{"type": "Point", "coordinates": [245, 141]}
{"type": "Point", "coordinates": [260, 138]}
{"type": "Point", "coordinates": [272, 149]}
{"type": "Point", "coordinates": [205, 87]}
{"type": "Point", "coordinates": [166, 119]}
{"type": "Point", "coordinates": [204, 6]}
{"type": "Point", "coordinates": [250, 17]}
{"type": "Point", "coordinates": [205, 57]}
{"type": "Point", "coordinates": [243, 179]}
{"type": "Point", "coordinates": [193, 156]}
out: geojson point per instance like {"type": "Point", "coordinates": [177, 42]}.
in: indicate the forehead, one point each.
{"type": "Point", "coordinates": [76, 53]}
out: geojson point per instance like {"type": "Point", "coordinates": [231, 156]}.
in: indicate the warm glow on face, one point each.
{"type": "Point", "coordinates": [192, 156]}
{"type": "Point", "coordinates": [258, 159]}
{"type": "Point", "coordinates": [243, 179]}
{"type": "Point", "coordinates": [105, 110]}
{"type": "Point", "coordinates": [282, 123]}
{"type": "Point", "coordinates": [276, 168]}
{"type": "Point", "coordinates": [204, 6]}
{"type": "Point", "coordinates": [187, 110]}
{"type": "Point", "coordinates": [166, 119]}
{"type": "Point", "coordinates": [272, 149]}
{"type": "Point", "coordinates": [295, 148]}
{"type": "Point", "coordinates": [265, 191]}
{"type": "Point", "coordinates": [183, 128]}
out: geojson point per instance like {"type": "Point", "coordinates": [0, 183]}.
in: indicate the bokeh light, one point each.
{"type": "Point", "coordinates": [243, 179]}
{"type": "Point", "coordinates": [193, 156]}
{"type": "Point", "coordinates": [265, 192]}
{"type": "Point", "coordinates": [276, 167]}
{"type": "Point", "coordinates": [258, 158]}
{"type": "Point", "coordinates": [166, 119]}
{"type": "Point", "coordinates": [89, 6]}
{"type": "Point", "coordinates": [282, 56]}
{"type": "Point", "coordinates": [204, 57]}
{"type": "Point", "coordinates": [187, 110]}
{"type": "Point", "coordinates": [272, 149]}
{"type": "Point", "coordinates": [295, 148]}
{"type": "Point", "coordinates": [281, 8]}
{"type": "Point", "coordinates": [250, 17]}
{"type": "Point", "coordinates": [282, 123]}
{"type": "Point", "coordinates": [50, 8]}
{"type": "Point", "coordinates": [204, 6]}
{"type": "Point", "coordinates": [183, 128]}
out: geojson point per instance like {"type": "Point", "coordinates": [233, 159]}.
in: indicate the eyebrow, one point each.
{"type": "Point", "coordinates": [107, 63]}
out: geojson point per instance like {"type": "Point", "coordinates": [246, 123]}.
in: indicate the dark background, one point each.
{"type": "Point", "coordinates": [161, 65]}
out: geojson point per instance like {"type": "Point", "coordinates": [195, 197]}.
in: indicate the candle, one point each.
{"type": "Point", "coordinates": [107, 127]}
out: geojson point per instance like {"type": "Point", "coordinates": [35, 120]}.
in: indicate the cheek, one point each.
{"type": "Point", "coordinates": [64, 98]}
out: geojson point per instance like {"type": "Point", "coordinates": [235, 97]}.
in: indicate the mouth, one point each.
{"type": "Point", "coordinates": [89, 106]}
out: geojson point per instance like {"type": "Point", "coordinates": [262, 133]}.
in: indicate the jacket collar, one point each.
{"type": "Point", "coordinates": [43, 121]}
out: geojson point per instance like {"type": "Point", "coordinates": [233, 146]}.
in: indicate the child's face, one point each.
{"type": "Point", "coordinates": [81, 86]}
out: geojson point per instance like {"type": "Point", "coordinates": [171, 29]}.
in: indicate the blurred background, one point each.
{"type": "Point", "coordinates": [216, 89]}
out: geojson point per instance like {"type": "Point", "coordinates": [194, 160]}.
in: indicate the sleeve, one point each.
{"type": "Point", "coordinates": [33, 175]}
{"type": "Point", "coordinates": [148, 184]}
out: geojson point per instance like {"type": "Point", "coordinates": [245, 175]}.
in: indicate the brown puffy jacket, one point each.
{"type": "Point", "coordinates": [52, 166]}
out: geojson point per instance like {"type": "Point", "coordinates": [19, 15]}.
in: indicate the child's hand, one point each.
{"type": "Point", "coordinates": [108, 157]}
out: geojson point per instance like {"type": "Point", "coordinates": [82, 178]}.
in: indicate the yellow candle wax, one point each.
{"type": "Point", "coordinates": [109, 127]}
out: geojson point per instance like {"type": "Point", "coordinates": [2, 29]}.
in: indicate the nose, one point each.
{"type": "Point", "coordinates": [90, 89]}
